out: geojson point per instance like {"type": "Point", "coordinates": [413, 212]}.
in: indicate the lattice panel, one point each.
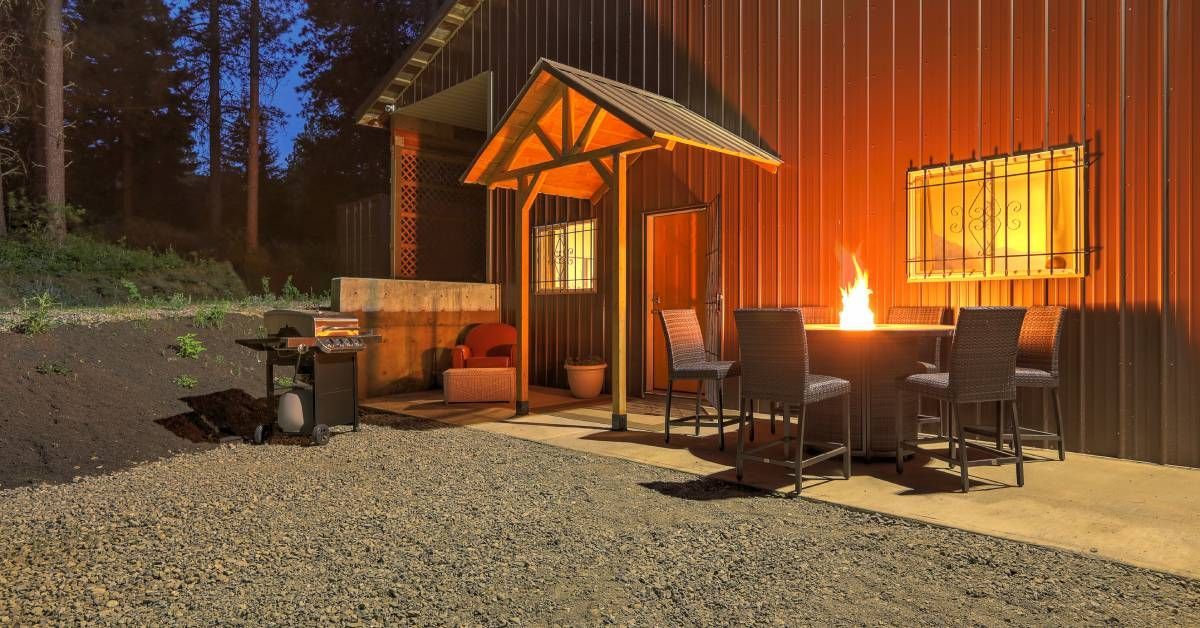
{"type": "Point", "coordinates": [439, 228]}
{"type": "Point", "coordinates": [407, 166]}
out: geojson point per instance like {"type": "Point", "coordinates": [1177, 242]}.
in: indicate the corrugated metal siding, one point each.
{"type": "Point", "coordinates": [852, 93]}
{"type": "Point", "coordinates": [363, 228]}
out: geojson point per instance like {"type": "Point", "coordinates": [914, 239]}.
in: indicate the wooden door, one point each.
{"type": "Point", "coordinates": [676, 278]}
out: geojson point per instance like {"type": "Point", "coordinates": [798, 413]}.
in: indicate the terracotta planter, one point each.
{"type": "Point", "coordinates": [586, 380]}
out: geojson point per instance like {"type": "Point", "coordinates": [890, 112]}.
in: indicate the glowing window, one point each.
{"type": "Point", "coordinates": [565, 260]}
{"type": "Point", "coordinates": [1001, 218]}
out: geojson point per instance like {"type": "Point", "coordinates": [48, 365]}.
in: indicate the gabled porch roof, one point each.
{"type": "Point", "coordinates": [572, 133]}
{"type": "Point", "coordinates": [565, 118]}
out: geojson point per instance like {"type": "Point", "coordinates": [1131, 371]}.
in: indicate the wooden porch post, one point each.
{"type": "Point", "coordinates": [618, 300]}
{"type": "Point", "coordinates": [527, 192]}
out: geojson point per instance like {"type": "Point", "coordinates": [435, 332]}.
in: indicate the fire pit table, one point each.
{"type": "Point", "coordinates": [871, 359]}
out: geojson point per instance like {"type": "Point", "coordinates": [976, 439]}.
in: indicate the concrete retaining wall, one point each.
{"type": "Point", "coordinates": [419, 321]}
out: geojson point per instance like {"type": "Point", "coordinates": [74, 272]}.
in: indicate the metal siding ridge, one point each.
{"type": "Point", "coordinates": [1122, 355]}
{"type": "Point", "coordinates": [1164, 269]}
{"type": "Point", "coordinates": [1083, 134]}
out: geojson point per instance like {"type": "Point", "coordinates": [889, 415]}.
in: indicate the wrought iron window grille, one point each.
{"type": "Point", "coordinates": [1006, 217]}
{"type": "Point", "coordinates": [565, 258]}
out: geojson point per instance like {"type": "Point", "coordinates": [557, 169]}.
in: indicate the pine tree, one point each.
{"type": "Point", "coordinates": [54, 131]}
{"type": "Point", "coordinates": [131, 118]}
{"type": "Point", "coordinates": [254, 22]}
{"type": "Point", "coordinates": [267, 59]}
{"type": "Point", "coordinates": [348, 47]}
{"type": "Point", "coordinates": [212, 33]}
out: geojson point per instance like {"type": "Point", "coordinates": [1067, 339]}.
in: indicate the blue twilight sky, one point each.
{"type": "Point", "coordinates": [289, 99]}
{"type": "Point", "coordinates": [285, 95]}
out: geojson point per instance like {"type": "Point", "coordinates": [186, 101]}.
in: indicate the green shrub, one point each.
{"type": "Point", "coordinates": [29, 218]}
{"type": "Point", "coordinates": [177, 301]}
{"type": "Point", "coordinates": [266, 288]}
{"type": "Point", "coordinates": [131, 290]}
{"type": "Point", "coordinates": [212, 315]}
{"type": "Point", "coordinates": [189, 346]}
{"type": "Point", "coordinates": [186, 381]}
{"type": "Point", "coordinates": [38, 320]}
{"type": "Point", "coordinates": [79, 253]}
{"type": "Point", "coordinates": [283, 381]}
{"type": "Point", "coordinates": [289, 291]}
{"type": "Point", "coordinates": [53, 368]}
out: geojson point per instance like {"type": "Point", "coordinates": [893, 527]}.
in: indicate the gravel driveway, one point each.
{"type": "Point", "coordinates": [413, 522]}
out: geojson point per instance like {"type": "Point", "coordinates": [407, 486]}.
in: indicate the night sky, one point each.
{"type": "Point", "coordinates": [287, 96]}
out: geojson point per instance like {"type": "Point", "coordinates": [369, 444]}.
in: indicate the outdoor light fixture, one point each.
{"type": "Point", "coordinates": [1000, 218]}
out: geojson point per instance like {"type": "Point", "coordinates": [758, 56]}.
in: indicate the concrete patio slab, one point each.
{"type": "Point", "coordinates": [1137, 513]}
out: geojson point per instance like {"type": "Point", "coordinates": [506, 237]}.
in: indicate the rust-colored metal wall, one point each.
{"type": "Point", "coordinates": [851, 93]}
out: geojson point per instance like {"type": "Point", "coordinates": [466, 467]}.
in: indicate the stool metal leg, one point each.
{"type": "Point", "coordinates": [962, 449]}
{"type": "Point", "coordinates": [1058, 419]}
{"type": "Point", "coordinates": [1000, 424]}
{"type": "Point", "coordinates": [800, 446]}
{"type": "Point", "coordinates": [699, 388]}
{"type": "Point", "coordinates": [846, 435]}
{"type": "Point", "coordinates": [752, 423]}
{"type": "Point", "coordinates": [951, 443]}
{"type": "Point", "coordinates": [667, 417]}
{"type": "Point", "coordinates": [1016, 428]}
{"type": "Point", "coordinates": [721, 414]}
{"type": "Point", "coordinates": [741, 431]}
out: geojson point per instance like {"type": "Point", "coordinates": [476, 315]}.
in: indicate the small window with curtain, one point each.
{"type": "Point", "coordinates": [565, 260]}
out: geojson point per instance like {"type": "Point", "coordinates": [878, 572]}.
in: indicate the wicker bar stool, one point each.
{"type": "Point", "coordinates": [983, 365]}
{"type": "Point", "coordinates": [813, 315]}
{"type": "Point", "coordinates": [1037, 367]}
{"type": "Point", "coordinates": [687, 359]}
{"type": "Point", "coordinates": [774, 358]}
{"type": "Point", "coordinates": [924, 315]}
{"type": "Point", "coordinates": [818, 314]}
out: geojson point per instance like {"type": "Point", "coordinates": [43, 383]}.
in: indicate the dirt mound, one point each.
{"type": "Point", "coordinates": [88, 400]}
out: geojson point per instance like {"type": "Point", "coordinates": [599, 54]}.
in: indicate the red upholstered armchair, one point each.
{"type": "Point", "coordinates": [490, 345]}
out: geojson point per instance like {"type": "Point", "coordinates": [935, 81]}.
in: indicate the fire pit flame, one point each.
{"type": "Point", "coordinates": [856, 302]}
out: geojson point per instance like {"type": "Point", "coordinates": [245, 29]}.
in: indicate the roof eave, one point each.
{"type": "Point", "coordinates": [446, 19]}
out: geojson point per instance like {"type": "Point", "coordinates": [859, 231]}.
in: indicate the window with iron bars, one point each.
{"type": "Point", "coordinates": [1017, 216]}
{"type": "Point", "coordinates": [565, 260]}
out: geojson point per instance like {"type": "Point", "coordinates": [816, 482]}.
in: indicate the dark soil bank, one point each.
{"type": "Point", "coordinates": [81, 401]}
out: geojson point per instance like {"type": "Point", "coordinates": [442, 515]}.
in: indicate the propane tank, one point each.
{"type": "Point", "coordinates": [295, 411]}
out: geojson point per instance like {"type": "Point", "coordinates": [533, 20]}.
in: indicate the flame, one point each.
{"type": "Point", "coordinates": [856, 302]}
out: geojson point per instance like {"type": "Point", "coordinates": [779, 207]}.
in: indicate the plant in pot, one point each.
{"type": "Point", "coordinates": [585, 376]}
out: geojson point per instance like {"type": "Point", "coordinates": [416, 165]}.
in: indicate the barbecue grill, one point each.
{"type": "Point", "coordinates": [322, 348]}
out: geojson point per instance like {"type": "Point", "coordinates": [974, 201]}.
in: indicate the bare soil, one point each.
{"type": "Point", "coordinates": [85, 400]}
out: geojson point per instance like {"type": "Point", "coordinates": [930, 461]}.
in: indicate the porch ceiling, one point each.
{"type": "Point", "coordinates": [566, 120]}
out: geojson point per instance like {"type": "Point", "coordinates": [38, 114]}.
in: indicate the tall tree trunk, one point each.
{"type": "Point", "coordinates": [252, 141]}
{"type": "Point", "coordinates": [214, 115]}
{"type": "Point", "coordinates": [126, 173]}
{"type": "Point", "coordinates": [56, 158]}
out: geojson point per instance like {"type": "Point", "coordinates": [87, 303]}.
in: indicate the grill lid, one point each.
{"type": "Point", "coordinates": [309, 323]}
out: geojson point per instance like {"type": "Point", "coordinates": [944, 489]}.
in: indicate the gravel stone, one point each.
{"type": "Point", "coordinates": [416, 523]}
